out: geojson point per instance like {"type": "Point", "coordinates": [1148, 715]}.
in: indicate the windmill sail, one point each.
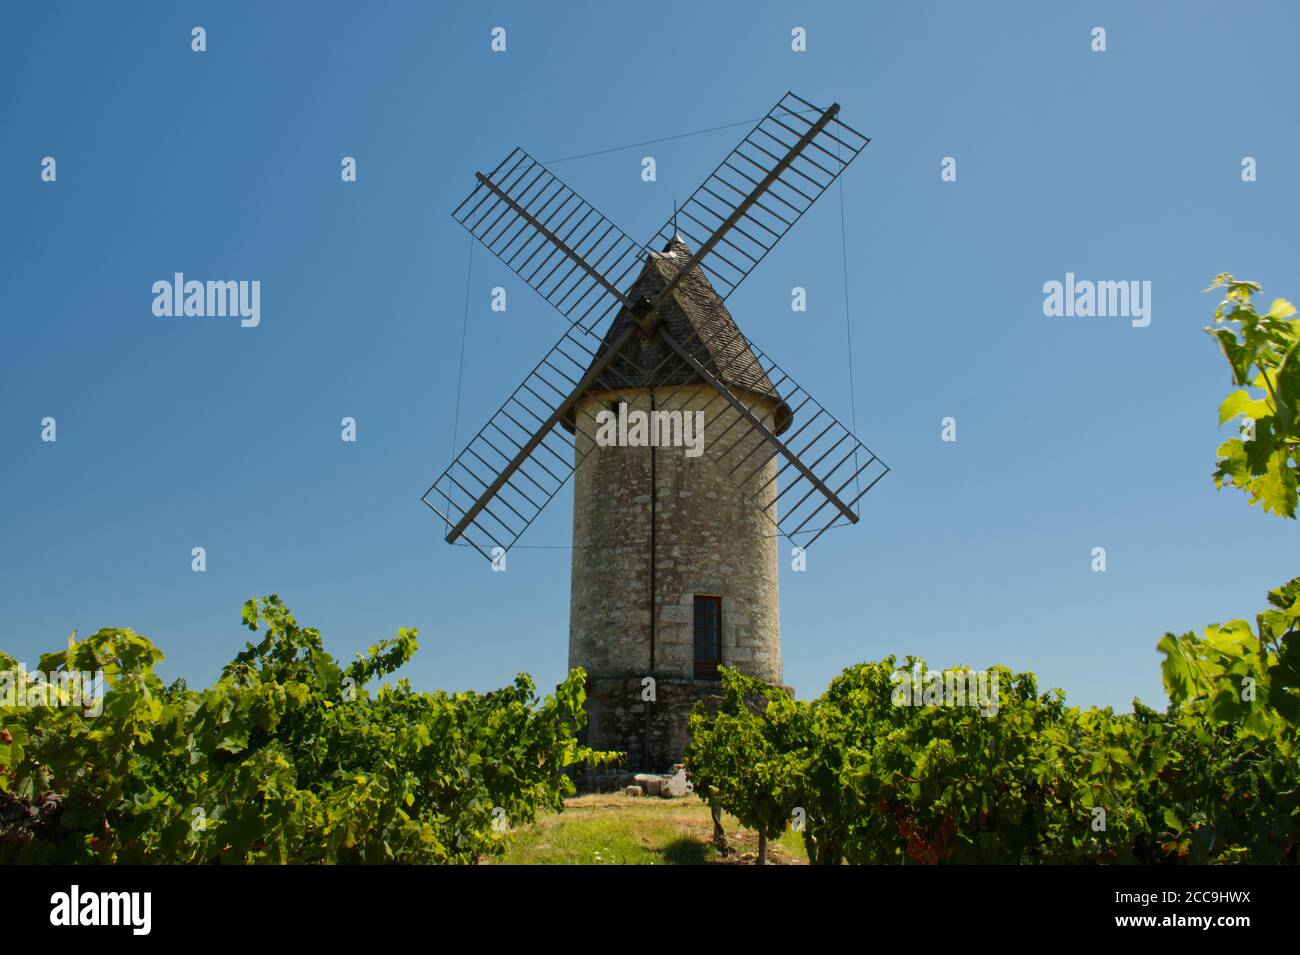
{"type": "Point", "coordinates": [762, 188]}
{"type": "Point", "coordinates": [551, 237]}
{"type": "Point", "coordinates": [824, 470]}
{"type": "Point", "coordinates": [508, 472]}
{"type": "Point", "coordinates": [576, 259]}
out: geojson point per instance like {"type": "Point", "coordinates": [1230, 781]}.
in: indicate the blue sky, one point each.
{"type": "Point", "coordinates": [1072, 432]}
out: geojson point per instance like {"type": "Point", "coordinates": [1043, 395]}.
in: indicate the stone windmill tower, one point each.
{"type": "Point", "coordinates": [691, 451]}
{"type": "Point", "coordinates": [673, 572]}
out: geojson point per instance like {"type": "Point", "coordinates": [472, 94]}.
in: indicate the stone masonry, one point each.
{"type": "Point", "coordinates": [710, 538]}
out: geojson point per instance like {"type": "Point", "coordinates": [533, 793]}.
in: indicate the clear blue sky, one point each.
{"type": "Point", "coordinates": [1072, 433]}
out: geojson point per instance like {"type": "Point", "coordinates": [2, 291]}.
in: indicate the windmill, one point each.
{"type": "Point", "coordinates": [674, 556]}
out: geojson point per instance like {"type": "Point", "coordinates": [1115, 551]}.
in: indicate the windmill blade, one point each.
{"type": "Point", "coordinates": [824, 469]}
{"type": "Point", "coordinates": [576, 259]}
{"type": "Point", "coordinates": [552, 238]}
{"type": "Point", "coordinates": [762, 188]}
{"type": "Point", "coordinates": [508, 472]}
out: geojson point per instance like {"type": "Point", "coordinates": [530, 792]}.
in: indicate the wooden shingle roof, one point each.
{"type": "Point", "coordinates": [695, 315]}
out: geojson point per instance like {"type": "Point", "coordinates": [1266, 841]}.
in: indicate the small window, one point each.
{"type": "Point", "coordinates": [708, 636]}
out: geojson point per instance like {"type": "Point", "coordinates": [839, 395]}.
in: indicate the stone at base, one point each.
{"type": "Point", "coordinates": [678, 784]}
{"type": "Point", "coordinates": [616, 717]}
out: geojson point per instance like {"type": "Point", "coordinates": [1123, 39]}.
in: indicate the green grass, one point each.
{"type": "Point", "coordinates": [645, 830]}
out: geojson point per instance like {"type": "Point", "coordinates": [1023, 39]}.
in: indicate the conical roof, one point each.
{"type": "Point", "coordinates": [695, 315]}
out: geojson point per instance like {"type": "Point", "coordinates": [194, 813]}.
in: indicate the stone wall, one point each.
{"type": "Point", "coordinates": [617, 719]}
{"type": "Point", "coordinates": [710, 539]}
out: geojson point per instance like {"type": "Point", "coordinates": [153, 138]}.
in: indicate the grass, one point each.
{"type": "Point", "coordinates": [646, 830]}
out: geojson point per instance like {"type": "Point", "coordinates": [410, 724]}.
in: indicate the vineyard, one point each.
{"type": "Point", "coordinates": [289, 758]}
{"type": "Point", "coordinates": [1215, 778]}
{"type": "Point", "coordinates": [869, 777]}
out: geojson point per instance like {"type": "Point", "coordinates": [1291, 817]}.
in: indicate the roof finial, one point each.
{"type": "Point", "coordinates": [676, 234]}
